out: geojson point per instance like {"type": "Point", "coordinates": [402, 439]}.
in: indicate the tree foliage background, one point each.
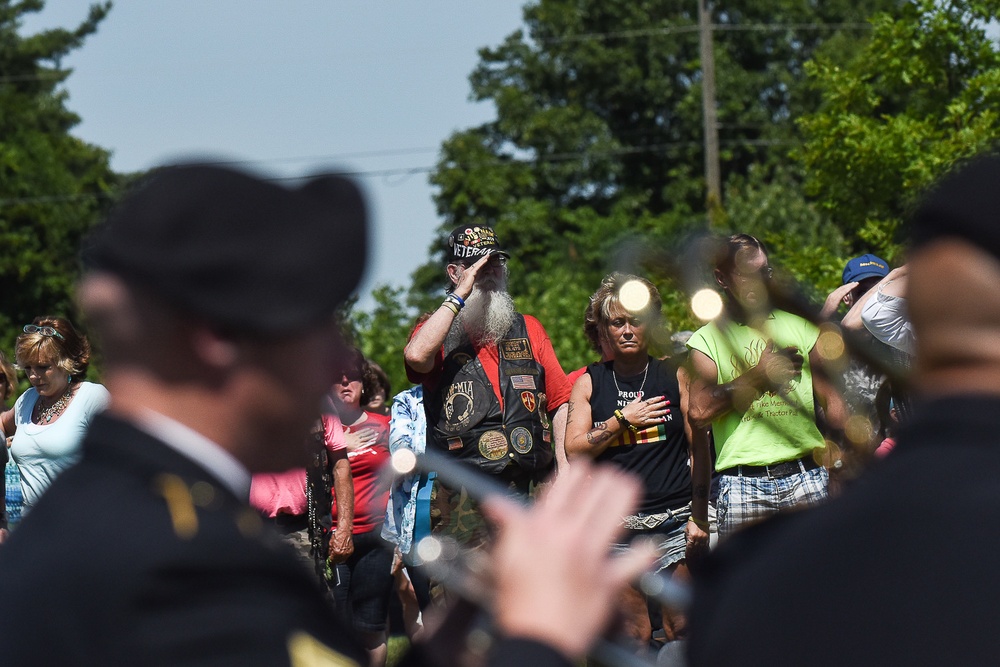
{"type": "Point", "coordinates": [923, 94]}
{"type": "Point", "coordinates": [832, 118]}
{"type": "Point", "coordinates": [53, 186]}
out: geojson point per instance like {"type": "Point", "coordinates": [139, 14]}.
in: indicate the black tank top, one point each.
{"type": "Point", "coordinates": [658, 455]}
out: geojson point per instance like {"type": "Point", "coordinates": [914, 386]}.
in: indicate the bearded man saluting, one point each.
{"type": "Point", "coordinates": [494, 391]}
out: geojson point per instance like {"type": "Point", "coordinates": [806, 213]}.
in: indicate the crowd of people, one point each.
{"type": "Point", "coordinates": [227, 498]}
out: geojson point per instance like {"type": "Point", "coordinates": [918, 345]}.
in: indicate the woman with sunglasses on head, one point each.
{"type": "Point", "coordinates": [364, 582]}
{"type": "Point", "coordinates": [49, 419]}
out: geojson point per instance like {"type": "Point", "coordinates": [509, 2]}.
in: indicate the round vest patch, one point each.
{"type": "Point", "coordinates": [520, 440]}
{"type": "Point", "coordinates": [493, 445]}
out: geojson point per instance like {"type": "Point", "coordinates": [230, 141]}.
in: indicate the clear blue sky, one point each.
{"type": "Point", "coordinates": [290, 87]}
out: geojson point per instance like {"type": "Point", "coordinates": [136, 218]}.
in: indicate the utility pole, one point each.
{"type": "Point", "coordinates": [713, 199]}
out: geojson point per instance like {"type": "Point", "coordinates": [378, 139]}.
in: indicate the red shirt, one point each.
{"type": "Point", "coordinates": [557, 386]}
{"type": "Point", "coordinates": [575, 375]}
{"type": "Point", "coordinates": [371, 494]}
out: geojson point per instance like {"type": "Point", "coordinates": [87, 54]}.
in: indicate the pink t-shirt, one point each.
{"type": "Point", "coordinates": [275, 493]}
{"type": "Point", "coordinates": [887, 446]}
{"type": "Point", "coordinates": [285, 492]}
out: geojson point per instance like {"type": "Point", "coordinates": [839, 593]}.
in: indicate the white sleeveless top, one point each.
{"type": "Point", "coordinates": [43, 451]}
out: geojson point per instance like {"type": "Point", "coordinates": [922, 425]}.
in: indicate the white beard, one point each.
{"type": "Point", "coordinates": [484, 320]}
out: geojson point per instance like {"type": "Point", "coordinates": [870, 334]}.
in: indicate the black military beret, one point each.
{"type": "Point", "coordinates": [964, 204]}
{"type": "Point", "coordinates": [241, 252]}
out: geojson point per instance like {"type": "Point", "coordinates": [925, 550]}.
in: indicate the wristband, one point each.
{"type": "Point", "coordinates": [460, 300]}
{"type": "Point", "coordinates": [624, 422]}
{"type": "Point", "coordinates": [698, 522]}
{"type": "Point", "coordinates": [451, 306]}
{"type": "Point", "coordinates": [723, 390]}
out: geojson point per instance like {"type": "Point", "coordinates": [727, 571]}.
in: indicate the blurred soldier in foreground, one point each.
{"type": "Point", "coordinates": [870, 579]}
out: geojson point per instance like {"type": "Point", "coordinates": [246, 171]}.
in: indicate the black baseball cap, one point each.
{"type": "Point", "coordinates": [470, 242]}
{"type": "Point", "coordinates": [241, 252]}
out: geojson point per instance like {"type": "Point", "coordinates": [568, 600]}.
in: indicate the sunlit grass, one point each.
{"type": "Point", "coordinates": [397, 649]}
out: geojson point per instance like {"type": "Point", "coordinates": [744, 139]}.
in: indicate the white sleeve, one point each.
{"type": "Point", "coordinates": [887, 319]}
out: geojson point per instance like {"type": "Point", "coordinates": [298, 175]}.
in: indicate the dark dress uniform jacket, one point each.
{"type": "Point", "coordinates": [138, 556]}
{"type": "Point", "coordinates": [899, 569]}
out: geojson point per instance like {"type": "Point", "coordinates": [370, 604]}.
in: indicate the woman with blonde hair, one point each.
{"type": "Point", "coordinates": [629, 410]}
{"type": "Point", "coordinates": [49, 419]}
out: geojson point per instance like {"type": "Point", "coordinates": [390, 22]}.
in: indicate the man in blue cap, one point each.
{"type": "Point", "coordinates": [860, 275]}
{"type": "Point", "coordinates": [861, 382]}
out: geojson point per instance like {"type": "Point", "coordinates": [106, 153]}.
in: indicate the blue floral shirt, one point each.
{"type": "Point", "coordinates": [407, 430]}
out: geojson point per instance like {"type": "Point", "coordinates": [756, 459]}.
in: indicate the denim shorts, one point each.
{"type": "Point", "coordinates": [669, 536]}
{"type": "Point", "coordinates": [744, 500]}
{"type": "Point", "coordinates": [364, 583]}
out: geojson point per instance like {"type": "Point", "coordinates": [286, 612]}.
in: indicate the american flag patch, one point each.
{"type": "Point", "coordinates": [522, 381]}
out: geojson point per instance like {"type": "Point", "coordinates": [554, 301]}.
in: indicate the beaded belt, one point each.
{"type": "Point", "coordinates": [645, 521]}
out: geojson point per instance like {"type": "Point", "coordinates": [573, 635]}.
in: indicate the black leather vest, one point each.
{"type": "Point", "coordinates": [464, 417]}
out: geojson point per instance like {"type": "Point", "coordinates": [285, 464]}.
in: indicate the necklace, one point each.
{"type": "Point", "coordinates": [46, 415]}
{"type": "Point", "coordinates": [614, 376]}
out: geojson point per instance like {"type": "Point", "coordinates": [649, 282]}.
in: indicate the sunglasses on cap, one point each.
{"type": "Point", "coordinates": [495, 260]}
{"type": "Point", "coordinates": [45, 331]}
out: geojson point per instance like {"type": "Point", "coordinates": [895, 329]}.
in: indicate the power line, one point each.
{"type": "Point", "coordinates": [411, 171]}
{"type": "Point", "coordinates": [388, 152]}
{"type": "Point", "coordinates": [765, 27]}
{"type": "Point", "coordinates": [594, 36]}
{"type": "Point", "coordinates": [720, 27]}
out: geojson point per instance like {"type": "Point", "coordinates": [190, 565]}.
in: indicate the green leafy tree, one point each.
{"type": "Point", "coordinates": [922, 94]}
{"type": "Point", "coordinates": [598, 137]}
{"type": "Point", "coordinates": [597, 143]}
{"type": "Point", "coordinates": [53, 186]}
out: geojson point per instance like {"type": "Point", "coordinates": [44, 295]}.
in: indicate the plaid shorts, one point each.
{"type": "Point", "coordinates": [744, 500]}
